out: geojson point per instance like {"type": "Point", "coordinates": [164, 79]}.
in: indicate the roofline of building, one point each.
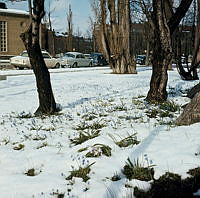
{"type": "Point", "coordinates": [13, 12]}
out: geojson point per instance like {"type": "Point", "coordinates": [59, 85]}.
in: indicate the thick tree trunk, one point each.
{"type": "Point", "coordinates": [163, 28]}
{"type": "Point", "coordinates": [162, 55]}
{"type": "Point", "coordinates": [147, 53]}
{"type": "Point", "coordinates": [160, 62]}
{"type": "Point", "coordinates": [115, 38]}
{"type": "Point", "coordinates": [191, 113]}
{"type": "Point", "coordinates": [30, 38]}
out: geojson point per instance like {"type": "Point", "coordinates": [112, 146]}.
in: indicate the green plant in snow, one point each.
{"type": "Point", "coordinates": [152, 113]}
{"type": "Point", "coordinates": [170, 106]}
{"type": "Point", "coordinates": [93, 126]}
{"type": "Point", "coordinates": [134, 170]}
{"type": "Point", "coordinates": [137, 102]}
{"type": "Point", "coordinates": [115, 177]}
{"type": "Point", "coordinates": [83, 149]}
{"type": "Point", "coordinates": [24, 115]}
{"type": "Point", "coordinates": [130, 140]}
{"type": "Point", "coordinates": [6, 140]}
{"type": "Point", "coordinates": [139, 96]}
{"type": "Point", "coordinates": [98, 150]}
{"type": "Point", "coordinates": [38, 137]}
{"type": "Point", "coordinates": [89, 116]}
{"type": "Point", "coordinates": [32, 172]}
{"type": "Point", "coordinates": [19, 147]}
{"type": "Point", "coordinates": [81, 172]}
{"type": "Point", "coordinates": [84, 136]}
{"type": "Point", "coordinates": [44, 144]}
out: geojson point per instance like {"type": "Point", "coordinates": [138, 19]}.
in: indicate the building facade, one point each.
{"type": "Point", "coordinates": [12, 24]}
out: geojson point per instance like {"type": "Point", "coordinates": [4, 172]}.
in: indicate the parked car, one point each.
{"type": "Point", "coordinates": [75, 59]}
{"type": "Point", "coordinates": [140, 59]}
{"type": "Point", "coordinates": [98, 59]}
{"type": "Point", "coordinates": [22, 61]}
{"type": "Point", "coordinates": [88, 56]}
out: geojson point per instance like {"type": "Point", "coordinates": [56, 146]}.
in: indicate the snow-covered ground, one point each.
{"type": "Point", "coordinates": [114, 106]}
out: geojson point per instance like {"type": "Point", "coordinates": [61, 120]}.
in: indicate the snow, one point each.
{"type": "Point", "coordinates": [14, 11]}
{"type": "Point", "coordinates": [46, 145]}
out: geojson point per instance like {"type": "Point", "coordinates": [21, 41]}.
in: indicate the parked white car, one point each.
{"type": "Point", "coordinates": [22, 61]}
{"type": "Point", "coordinates": [75, 59]}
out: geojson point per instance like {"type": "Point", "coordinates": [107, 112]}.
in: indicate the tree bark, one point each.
{"type": "Point", "coordinates": [191, 113]}
{"type": "Point", "coordinates": [163, 28]}
{"type": "Point", "coordinates": [115, 37]}
{"type": "Point", "coordinates": [30, 39]}
{"type": "Point", "coordinates": [162, 54]}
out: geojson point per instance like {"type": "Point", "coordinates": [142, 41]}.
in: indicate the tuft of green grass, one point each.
{"type": "Point", "coordinates": [44, 144]}
{"type": "Point", "coordinates": [136, 102]}
{"type": "Point", "coordinates": [82, 149]}
{"type": "Point", "coordinates": [139, 96]}
{"type": "Point", "coordinates": [169, 123]}
{"type": "Point", "coordinates": [164, 114]}
{"type": "Point", "coordinates": [83, 136]}
{"type": "Point", "coordinates": [24, 115]}
{"type": "Point", "coordinates": [93, 126]}
{"type": "Point", "coordinates": [130, 140]}
{"type": "Point", "coordinates": [82, 172]}
{"type": "Point", "coordinates": [58, 194]}
{"type": "Point", "coordinates": [152, 113]}
{"type": "Point", "coordinates": [99, 150]}
{"type": "Point", "coordinates": [39, 137]}
{"type": "Point", "coordinates": [89, 116]}
{"type": "Point", "coordinates": [19, 147]}
{"type": "Point", "coordinates": [170, 106]}
{"type": "Point", "coordinates": [136, 171]}
{"type": "Point", "coordinates": [115, 177]}
{"type": "Point", "coordinates": [130, 117]}
{"type": "Point", "coordinates": [32, 172]}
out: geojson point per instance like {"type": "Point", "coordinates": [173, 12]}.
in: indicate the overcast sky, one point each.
{"type": "Point", "coordinates": [80, 8]}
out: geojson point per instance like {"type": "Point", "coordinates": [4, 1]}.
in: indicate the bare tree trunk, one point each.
{"type": "Point", "coordinates": [191, 73]}
{"type": "Point", "coordinates": [191, 113]}
{"type": "Point", "coordinates": [30, 38]}
{"type": "Point", "coordinates": [115, 38]}
{"type": "Point", "coordinates": [162, 54]}
{"type": "Point", "coordinates": [162, 50]}
{"type": "Point", "coordinates": [70, 30]}
{"type": "Point", "coordinates": [147, 53]}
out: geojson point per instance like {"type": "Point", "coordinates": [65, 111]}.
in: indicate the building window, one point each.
{"type": "Point", "coordinates": [3, 36]}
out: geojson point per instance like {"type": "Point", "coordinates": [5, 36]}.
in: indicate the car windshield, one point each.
{"type": "Point", "coordinates": [45, 55]}
{"type": "Point", "coordinates": [96, 54]}
{"type": "Point", "coordinates": [140, 57]}
{"type": "Point", "coordinates": [69, 55]}
{"type": "Point", "coordinates": [24, 54]}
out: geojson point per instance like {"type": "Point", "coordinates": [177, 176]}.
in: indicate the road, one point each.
{"type": "Point", "coordinates": [14, 72]}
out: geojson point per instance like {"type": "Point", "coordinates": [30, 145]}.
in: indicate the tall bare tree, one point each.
{"type": "Point", "coordinates": [47, 104]}
{"type": "Point", "coordinates": [69, 29]}
{"type": "Point", "coordinates": [115, 35]}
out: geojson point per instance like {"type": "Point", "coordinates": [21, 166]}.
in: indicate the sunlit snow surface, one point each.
{"type": "Point", "coordinates": [46, 141]}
